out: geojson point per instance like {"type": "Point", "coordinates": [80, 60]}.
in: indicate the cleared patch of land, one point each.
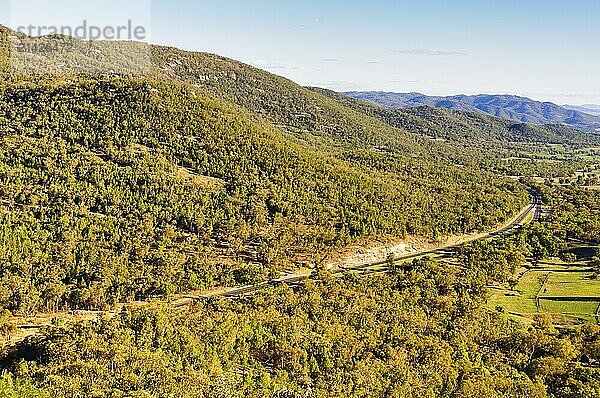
{"type": "Point", "coordinates": [567, 292]}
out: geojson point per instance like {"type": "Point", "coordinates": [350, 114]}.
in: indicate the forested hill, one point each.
{"type": "Point", "coordinates": [129, 173]}
{"type": "Point", "coordinates": [311, 112]}
{"type": "Point", "coordinates": [204, 172]}
{"type": "Point", "coordinates": [459, 125]}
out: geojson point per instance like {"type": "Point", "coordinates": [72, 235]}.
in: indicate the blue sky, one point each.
{"type": "Point", "coordinates": [542, 49]}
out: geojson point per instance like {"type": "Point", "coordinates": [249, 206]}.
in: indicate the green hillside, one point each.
{"type": "Point", "coordinates": [457, 126]}
{"type": "Point", "coordinates": [153, 171]}
{"type": "Point", "coordinates": [121, 188]}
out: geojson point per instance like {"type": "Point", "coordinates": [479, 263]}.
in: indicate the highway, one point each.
{"type": "Point", "coordinates": [535, 209]}
{"type": "Point", "coordinates": [27, 329]}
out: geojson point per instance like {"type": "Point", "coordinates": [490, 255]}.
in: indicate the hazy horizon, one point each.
{"type": "Point", "coordinates": [470, 95]}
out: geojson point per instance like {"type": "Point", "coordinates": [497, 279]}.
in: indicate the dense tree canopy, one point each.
{"type": "Point", "coordinates": [120, 189]}
{"type": "Point", "coordinates": [203, 172]}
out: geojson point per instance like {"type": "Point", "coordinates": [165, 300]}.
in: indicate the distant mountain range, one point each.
{"type": "Point", "coordinates": [589, 109]}
{"type": "Point", "coordinates": [505, 106]}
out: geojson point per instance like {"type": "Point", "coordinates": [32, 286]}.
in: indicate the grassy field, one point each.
{"type": "Point", "coordinates": [567, 292]}
{"type": "Point", "coordinates": [559, 152]}
{"type": "Point", "coordinates": [571, 284]}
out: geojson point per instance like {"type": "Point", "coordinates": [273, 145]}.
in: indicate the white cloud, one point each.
{"type": "Point", "coordinates": [262, 64]}
{"type": "Point", "coordinates": [425, 51]}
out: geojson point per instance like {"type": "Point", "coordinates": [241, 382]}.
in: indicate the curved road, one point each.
{"type": "Point", "coordinates": [534, 208]}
